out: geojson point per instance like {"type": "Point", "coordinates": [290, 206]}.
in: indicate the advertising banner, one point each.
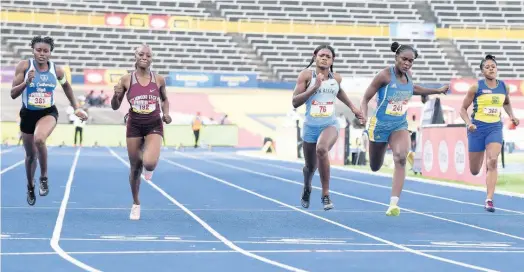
{"type": "Point", "coordinates": [158, 21]}
{"type": "Point", "coordinates": [116, 19]}
{"type": "Point", "coordinates": [208, 80]}
{"type": "Point", "coordinates": [7, 74]}
{"type": "Point", "coordinates": [103, 76]}
{"type": "Point", "coordinates": [412, 30]}
{"type": "Point", "coordinates": [462, 85]}
{"type": "Point", "coordinates": [445, 154]}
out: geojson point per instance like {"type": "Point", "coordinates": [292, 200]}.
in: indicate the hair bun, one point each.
{"type": "Point", "coordinates": [395, 46]}
{"type": "Point", "coordinates": [490, 57]}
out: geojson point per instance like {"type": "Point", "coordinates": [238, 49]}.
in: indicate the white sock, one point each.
{"type": "Point", "coordinates": [393, 201]}
{"type": "Point", "coordinates": [488, 199]}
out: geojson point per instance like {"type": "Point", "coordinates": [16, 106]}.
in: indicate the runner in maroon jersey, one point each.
{"type": "Point", "coordinates": [144, 123]}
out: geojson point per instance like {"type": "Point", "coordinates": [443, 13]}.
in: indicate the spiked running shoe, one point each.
{"type": "Point", "coordinates": [44, 187]}
{"type": "Point", "coordinates": [328, 205]}
{"type": "Point", "coordinates": [489, 206]}
{"type": "Point", "coordinates": [306, 194]}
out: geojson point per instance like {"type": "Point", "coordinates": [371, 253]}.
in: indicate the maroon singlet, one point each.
{"type": "Point", "coordinates": [144, 112]}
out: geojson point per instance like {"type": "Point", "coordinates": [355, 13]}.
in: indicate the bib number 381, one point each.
{"type": "Point", "coordinates": [40, 100]}
{"type": "Point", "coordinates": [321, 109]}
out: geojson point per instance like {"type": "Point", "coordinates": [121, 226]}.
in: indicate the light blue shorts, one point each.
{"type": "Point", "coordinates": [310, 134]}
{"type": "Point", "coordinates": [379, 131]}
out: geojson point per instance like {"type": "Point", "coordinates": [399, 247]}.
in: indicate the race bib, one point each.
{"type": "Point", "coordinates": [397, 108]}
{"type": "Point", "coordinates": [144, 108]}
{"type": "Point", "coordinates": [322, 109]}
{"type": "Point", "coordinates": [492, 111]}
{"type": "Point", "coordinates": [40, 100]}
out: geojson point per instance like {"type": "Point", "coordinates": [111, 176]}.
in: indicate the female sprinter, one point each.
{"type": "Point", "coordinates": [144, 122]}
{"type": "Point", "coordinates": [319, 89]}
{"type": "Point", "coordinates": [389, 124]}
{"type": "Point", "coordinates": [488, 96]}
{"type": "Point", "coordinates": [36, 80]}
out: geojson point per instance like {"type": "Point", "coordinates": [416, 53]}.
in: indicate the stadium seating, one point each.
{"type": "Point", "coordinates": [508, 53]}
{"type": "Point", "coordinates": [508, 13]}
{"type": "Point", "coordinates": [346, 12]}
{"type": "Point", "coordinates": [179, 7]}
{"type": "Point", "coordinates": [101, 47]}
{"type": "Point", "coordinates": [356, 56]}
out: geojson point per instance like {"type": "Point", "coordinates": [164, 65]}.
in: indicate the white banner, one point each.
{"type": "Point", "coordinates": [412, 30]}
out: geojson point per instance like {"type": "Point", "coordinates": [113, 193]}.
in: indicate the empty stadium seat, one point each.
{"type": "Point", "coordinates": [508, 13]}
{"type": "Point", "coordinates": [287, 55]}
{"type": "Point", "coordinates": [508, 53]}
{"type": "Point", "coordinates": [375, 12]}
{"type": "Point", "coordinates": [101, 47]}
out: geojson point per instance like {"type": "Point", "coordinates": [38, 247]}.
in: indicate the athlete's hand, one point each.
{"type": "Point", "coordinates": [30, 76]}
{"type": "Point", "coordinates": [443, 90]}
{"type": "Point", "coordinates": [515, 121]}
{"type": "Point", "coordinates": [166, 118]}
{"type": "Point", "coordinates": [320, 79]}
{"type": "Point", "coordinates": [472, 127]}
{"type": "Point", "coordinates": [118, 90]}
{"type": "Point", "coordinates": [81, 114]}
{"type": "Point", "coordinates": [359, 115]}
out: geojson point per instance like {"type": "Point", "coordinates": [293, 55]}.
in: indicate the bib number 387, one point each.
{"type": "Point", "coordinates": [321, 109]}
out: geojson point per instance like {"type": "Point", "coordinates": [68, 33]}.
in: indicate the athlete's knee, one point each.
{"type": "Point", "coordinates": [150, 165]}
{"type": "Point", "coordinates": [309, 169]}
{"type": "Point", "coordinates": [322, 151]}
{"type": "Point", "coordinates": [400, 158]}
{"type": "Point", "coordinates": [491, 162]}
{"type": "Point", "coordinates": [40, 140]}
{"type": "Point", "coordinates": [31, 157]}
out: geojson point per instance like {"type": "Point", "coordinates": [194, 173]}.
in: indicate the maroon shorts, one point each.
{"type": "Point", "coordinates": [140, 128]}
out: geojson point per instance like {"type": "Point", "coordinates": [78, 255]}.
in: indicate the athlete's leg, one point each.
{"type": "Point", "coordinates": [30, 165]}
{"type": "Point", "coordinates": [400, 145]}
{"type": "Point", "coordinates": [377, 151]}
{"type": "Point", "coordinates": [492, 155]}
{"type": "Point", "coordinates": [152, 146]}
{"type": "Point", "coordinates": [134, 152]}
{"type": "Point", "coordinates": [310, 167]}
{"type": "Point", "coordinates": [44, 128]}
{"type": "Point", "coordinates": [325, 142]}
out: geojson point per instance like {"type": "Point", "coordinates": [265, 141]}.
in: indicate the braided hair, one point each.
{"type": "Point", "coordinates": [39, 39]}
{"type": "Point", "coordinates": [320, 47]}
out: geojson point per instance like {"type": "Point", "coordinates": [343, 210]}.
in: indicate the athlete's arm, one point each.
{"type": "Point", "coordinates": [163, 98]}
{"type": "Point", "coordinates": [19, 84]}
{"type": "Point", "coordinates": [377, 82]}
{"type": "Point", "coordinates": [68, 90]}
{"type": "Point", "coordinates": [419, 90]}
{"type": "Point", "coordinates": [301, 95]}
{"type": "Point", "coordinates": [343, 97]}
{"type": "Point", "coordinates": [120, 90]}
{"type": "Point", "coordinates": [468, 99]}
{"type": "Point", "coordinates": [509, 109]}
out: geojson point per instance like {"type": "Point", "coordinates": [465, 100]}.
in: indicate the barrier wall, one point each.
{"type": "Point", "coordinates": [115, 135]}
{"type": "Point", "coordinates": [445, 154]}
{"type": "Point", "coordinates": [461, 86]}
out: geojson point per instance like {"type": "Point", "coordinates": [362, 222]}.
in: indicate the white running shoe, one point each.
{"type": "Point", "coordinates": [148, 175]}
{"type": "Point", "coordinates": [135, 212]}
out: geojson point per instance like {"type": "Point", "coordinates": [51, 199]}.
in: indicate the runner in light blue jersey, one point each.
{"type": "Point", "coordinates": [36, 80]}
{"type": "Point", "coordinates": [389, 125]}
{"type": "Point", "coordinates": [319, 89]}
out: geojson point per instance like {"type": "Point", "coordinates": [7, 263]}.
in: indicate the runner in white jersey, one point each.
{"type": "Point", "coordinates": [36, 80]}
{"type": "Point", "coordinates": [319, 88]}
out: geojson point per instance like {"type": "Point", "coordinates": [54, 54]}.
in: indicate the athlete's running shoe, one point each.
{"type": "Point", "coordinates": [306, 194]}
{"type": "Point", "coordinates": [328, 205]}
{"type": "Point", "coordinates": [393, 210]}
{"type": "Point", "coordinates": [135, 212]}
{"type": "Point", "coordinates": [148, 175]}
{"type": "Point", "coordinates": [489, 206]}
{"type": "Point", "coordinates": [44, 187]}
{"type": "Point", "coordinates": [31, 198]}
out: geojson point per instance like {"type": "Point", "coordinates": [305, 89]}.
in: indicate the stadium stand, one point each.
{"type": "Point", "coordinates": [179, 7]}
{"type": "Point", "coordinates": [84, 47]}
{"type": "Point", "coordinates": [507, 13]}
{"type": "Point", "coordinates": [356, 56]}
{"type": "Point", "coordinates": [509, 55]}
{"type": "Point", "coordinates": [333, 12]}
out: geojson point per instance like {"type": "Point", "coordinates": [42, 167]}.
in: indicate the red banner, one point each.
{"type": "Point", "coordinates": [462, 85]}
{"type": "Point", "coordinates": [115, 19]}
{"type": "Point", "coordinates": [445, 155]}
{"type": "Point", "coordinates": [158, 21]}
